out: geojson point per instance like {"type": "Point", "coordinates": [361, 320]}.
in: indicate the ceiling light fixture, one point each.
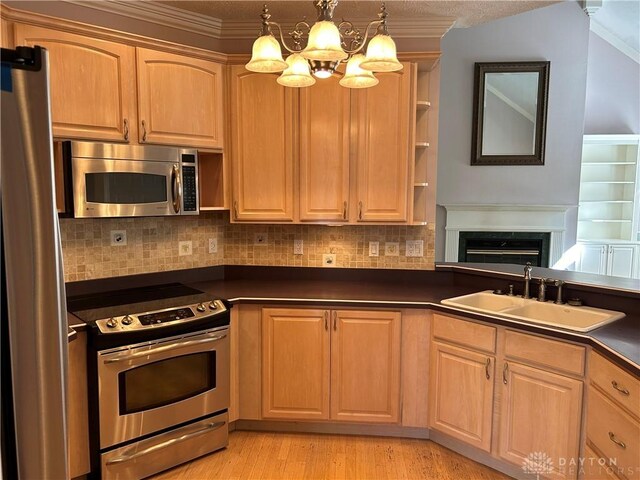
{"type": "Point", "coordinates": [327, 45]}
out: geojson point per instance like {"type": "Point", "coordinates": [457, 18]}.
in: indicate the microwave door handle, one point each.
{"type": "Point", "coordinates": [176, 188]}
{"type": "Point", "coordinates": [166, 348]}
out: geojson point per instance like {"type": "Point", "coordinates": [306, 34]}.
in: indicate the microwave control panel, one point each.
{"type": "Point", "coordinates": [189, 196]}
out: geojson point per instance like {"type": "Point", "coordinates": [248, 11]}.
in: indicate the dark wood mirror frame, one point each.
{"type": "Point", "coordinates": [481, 69]}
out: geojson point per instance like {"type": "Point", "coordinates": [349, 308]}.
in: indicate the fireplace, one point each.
{"type": "Point", "coordinates": [505, 247]}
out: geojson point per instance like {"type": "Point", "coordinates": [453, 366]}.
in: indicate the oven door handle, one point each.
{"type": "Point", "coordinates": [166, 348]}
{"type": "Point", "coordinates": [126, 458]}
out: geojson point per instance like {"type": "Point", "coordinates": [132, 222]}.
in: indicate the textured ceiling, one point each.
{"type": "Point", "coordinates": [467, 12]}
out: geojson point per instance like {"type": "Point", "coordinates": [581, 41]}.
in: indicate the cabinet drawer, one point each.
{"type": "Point", "coordinates": [623, 387]}
{"type": "Point", "coordinates": [470, 334]}
{"type": "Point", "coordinates": [561, 356]}
{"type": "Point", "coordinates": [596, 468]}
{"type": "Point", "coordinates": [608, 424]}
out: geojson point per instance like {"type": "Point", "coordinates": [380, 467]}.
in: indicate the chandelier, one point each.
{"type": "Point", "coordinates": [326, 46]}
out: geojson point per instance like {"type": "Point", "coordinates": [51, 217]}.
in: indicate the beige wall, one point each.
{"type": "Point", "coordinates": [152, 245]}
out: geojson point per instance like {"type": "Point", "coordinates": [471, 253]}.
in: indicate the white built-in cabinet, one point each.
{"type": "Point", "coordinates": [608, 225]}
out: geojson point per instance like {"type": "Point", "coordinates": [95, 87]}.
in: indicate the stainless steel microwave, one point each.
{"type": "Point", "coordinates": [112, 180]}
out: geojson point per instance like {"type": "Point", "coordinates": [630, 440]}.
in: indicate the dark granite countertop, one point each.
{"type": "Point", "coordinates": [619, 341]}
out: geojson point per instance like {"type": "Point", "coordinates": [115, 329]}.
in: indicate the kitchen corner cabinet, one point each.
{"type": "Point", "coordinates": [385, 153]}
{"type": "Point", "coordinates": [92, 84]}
{"type": "Point", "coordinates": [339, 365]}
{"type": "Point", "coordinates": [179, 100]}
{"type": "Point", "coordinates": [462, 380]}
{"type": "Point", "coordinates": [262, 118]}
{"type": "Point", "coordinates": [541, 401]}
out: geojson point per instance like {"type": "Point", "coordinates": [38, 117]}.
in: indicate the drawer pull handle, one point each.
{"type": "Point", "coordinates": [326, 320]}
{"type": "Point", "coordinates": [505, 371]}
{"type": "Point", "coordinates": [613, 438]}
{"type": "Point", "coordinates": [335, 321]}
{"type": "Point", "coordinates": [486, 368]}
{"type": "Point", "coordinates": [622, 390]}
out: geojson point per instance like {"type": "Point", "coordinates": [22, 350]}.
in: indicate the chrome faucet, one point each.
{"type": "Point", "coordinates": [527, 279]}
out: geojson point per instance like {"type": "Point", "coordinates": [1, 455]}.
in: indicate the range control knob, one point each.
{"type": "Point", "coordinates": [213, 306]}
{"type": "Point", "coordinates": [127, 320]}
{"type": "Point", "coordinates": [201, 307]}
{"type": "Point", "coordinates": [112, 323]}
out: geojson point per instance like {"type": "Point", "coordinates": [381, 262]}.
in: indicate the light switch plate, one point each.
{"type": "Point", "coordinates": [185, 248]}
{"type": "Point", "coordinates": [374, 249]}
{"type": "Point", "coordinates": [414, 248]}
{"type": "Point", "coordinates": [298, 247]}
{"type": "Point", "coordinates": [213, 245]}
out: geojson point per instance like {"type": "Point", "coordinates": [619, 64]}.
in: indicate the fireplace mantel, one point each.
{"type": "Point", "coordinates": [506, 218]}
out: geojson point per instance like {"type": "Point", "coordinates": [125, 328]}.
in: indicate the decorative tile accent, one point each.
{"type": "Point", "coordinates": [152, 245]}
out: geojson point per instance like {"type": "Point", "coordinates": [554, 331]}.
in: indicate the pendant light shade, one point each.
{"type": "Point", "coordinates": [266, 56]}
{"type": "Point", "coordinates": [381, 55]}
{"type": "Point", "coordinates": [324, 43]}
{"type": "Point", "coordinates": [297, 73]}
{"type": "Point", "coordinates": [356, 77]}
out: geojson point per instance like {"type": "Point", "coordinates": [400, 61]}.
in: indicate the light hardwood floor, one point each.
{"type": "Point", "coordinates": [259, 455]}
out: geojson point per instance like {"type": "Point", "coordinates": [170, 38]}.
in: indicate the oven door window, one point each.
{"type": "Point", "coordinates": [125, 188]}
{"type": "Point", "coordinates": [167, 381]}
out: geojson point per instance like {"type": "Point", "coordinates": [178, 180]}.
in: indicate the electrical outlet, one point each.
{"type": "Point", "coordinates": [414, 248]}
{"type": "Point", "coordinates": [329, 260]}
{"type": "Point", "coordinates": [260, 239]}
{"type": "Point", "coordinates": [298, 247]}
{"type": "Point", "coordinates": [185, 248]}
{"type": "Point", "coordinates": [374, 249]}
{"type": "Point", "coordinates": [391, 249]}
{"type": "Point", "coordinates": [118, 238]}
{"type": "Point", "coordinates": [213, 245]}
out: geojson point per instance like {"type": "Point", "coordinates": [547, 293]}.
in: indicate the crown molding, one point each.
{"type": "Point", "coordinates": [613, 40]}
{"type": "Point", "coordinates": [178, 19]}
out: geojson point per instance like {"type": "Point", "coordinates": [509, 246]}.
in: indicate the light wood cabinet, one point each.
{"type": "Point", "coordinates": [461, 393]}
{"type": "Point", "coordinates": [540, 411]}
{"type": "Point", "coordinates": [462, 380]}
{"type": "Point", "coordinates": [262, 119]}
{"type": "Point", "coordinates": [331, 364]}
{"type": "Point", "coordinates": [92, 84]}
{"type": "Point", "coordinates": [324, 151]}
{"type": "Point", "coordinates": [180, 100]}
{"type": "Point", "coordinates": [384, 156]}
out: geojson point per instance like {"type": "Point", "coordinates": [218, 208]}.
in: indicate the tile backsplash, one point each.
{"type": "Point", "coordinates": [153, 245]}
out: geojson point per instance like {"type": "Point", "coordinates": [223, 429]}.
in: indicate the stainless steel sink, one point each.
{"type": "Point", "coordinates": [579, 319]}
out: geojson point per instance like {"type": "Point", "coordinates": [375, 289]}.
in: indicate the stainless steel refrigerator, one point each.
{"type": "Point", "coordinates": [33, 335]}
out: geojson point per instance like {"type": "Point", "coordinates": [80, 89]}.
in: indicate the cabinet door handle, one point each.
{"type": "Point", "coordinates": [613, 438]}
{"type": "Point", "coordinates": [360, 210]}
{"type": "Point", "coordinates": [486, 368]}
{"type": "Point", "coordinates": [144, 131]}
{"type": "Point", "coordinates": [344, 210]}
{"type": "Point", "coordinates": [235, 209]}
{"type": "Point", "coordinates": [326, 320]}
{"type": "Point", "coordinates": [126, 130]}
{"type": "Point", "coordinates": [335, 321]}
{"type": "Point", "coordinates": [505, 372]}
{"type": "Point", "coordinates": [622, 390]}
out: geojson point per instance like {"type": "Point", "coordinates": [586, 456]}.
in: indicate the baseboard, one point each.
{"type": "Point", "coordinates": [331, 428]}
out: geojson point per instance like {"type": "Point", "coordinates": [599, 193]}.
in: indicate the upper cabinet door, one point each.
{"type": "Point", "coordinates": [384, 154]}
{"type": "Point", "coordinates": [324, 151]}
{"type": "Point", "coordinates": [262, 119]}
{"type": "Point", "coordinates": [92, 84]}
{"type": "Point", "coordinates": [180, 100]}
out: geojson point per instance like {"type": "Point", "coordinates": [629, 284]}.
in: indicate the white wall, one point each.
{"type": "Point", "coordinates": [613, 90]}
{"type": "Point", "coordinates": [559, 34]}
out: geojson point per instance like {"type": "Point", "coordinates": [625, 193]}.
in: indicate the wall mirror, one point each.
{"type": "Point", "coordinates": [510, 113]}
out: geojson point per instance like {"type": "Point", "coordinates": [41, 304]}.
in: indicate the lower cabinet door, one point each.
{"type": "Point", "coordinates": [540, 420]}
{"type": "Point", "coordinates": [295, 363]}
{"type": "Point", "coordinates": [365, 366]}
{"type": "Point", "coordinates": [461, 394]}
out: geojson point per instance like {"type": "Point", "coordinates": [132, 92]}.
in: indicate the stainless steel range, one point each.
{"type": "Point", "coordinates": [159, 378]}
